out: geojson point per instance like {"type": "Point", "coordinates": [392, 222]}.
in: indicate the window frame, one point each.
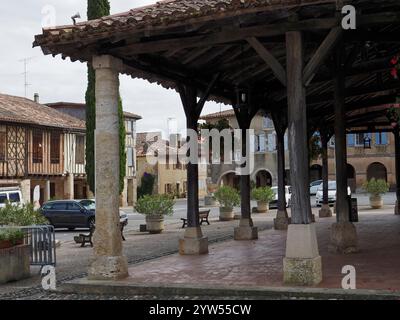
{"type": "Point", "coordinates": [37, 150]}
{"type": "Point", "coordinates": [55, 147]}
{"type": "Point", "coordinates": [81, 152]}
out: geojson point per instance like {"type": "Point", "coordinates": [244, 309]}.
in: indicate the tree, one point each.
{"type": "Point", "coordinates": [97, 9]}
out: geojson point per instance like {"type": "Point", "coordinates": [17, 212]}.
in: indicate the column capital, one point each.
{"type": "Point", "coordinates": [107, 62]}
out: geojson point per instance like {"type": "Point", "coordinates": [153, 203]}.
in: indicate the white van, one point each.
{"type": "Point", "coordinates": [10, 194]}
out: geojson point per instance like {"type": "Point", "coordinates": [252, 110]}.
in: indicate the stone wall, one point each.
{"type": "Point", "coordinates": [14, 263]}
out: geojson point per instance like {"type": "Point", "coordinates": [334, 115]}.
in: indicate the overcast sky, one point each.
{"type": "Point", "coordinates": [58, 80]}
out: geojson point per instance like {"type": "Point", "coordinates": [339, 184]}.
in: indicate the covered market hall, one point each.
{"type": "Point", "coordinates": [291, 59]}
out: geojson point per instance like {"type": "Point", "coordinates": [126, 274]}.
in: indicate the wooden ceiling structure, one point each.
{"type": "Point", "coordinates": [243, 43]}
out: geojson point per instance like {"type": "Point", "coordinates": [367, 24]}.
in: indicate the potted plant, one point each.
{"type": "Point", "coordinates": [228, 198]}
{"type": "Point", "coordinates": [376, 187]}
{"type": "Point", "coordinates": [263, 196]}
{"type": "Point", "coordinates": [155, 207]}
{"type": "Point", "coordinates": [10, 237]}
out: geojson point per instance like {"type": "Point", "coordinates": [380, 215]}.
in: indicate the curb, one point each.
{"type": "Point", "coordinates": [84, 286]}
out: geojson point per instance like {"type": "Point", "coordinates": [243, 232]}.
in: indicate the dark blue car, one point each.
{"type": "Point", "coordinates": [73, 214]}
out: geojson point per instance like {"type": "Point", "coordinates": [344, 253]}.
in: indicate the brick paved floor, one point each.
{"type": "Point", "coordinates": [259, 263]}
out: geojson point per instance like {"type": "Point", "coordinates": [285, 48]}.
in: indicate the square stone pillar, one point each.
{"type": "Point", "coordinates": [108, 262]}
{"type": "Point", "coordinates": [46, 191]}
{"type": "Point", "coordinates": [302, 263]}
{"type": "Point", "coordinates": [26, 190]}
{"type": "Point", "coordinates": [69, 187]}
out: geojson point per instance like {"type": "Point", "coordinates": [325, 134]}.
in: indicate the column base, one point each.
{"type": "Point", "coordinates": [325, 211]}
{"type": "Point", "coordinates": [108, 268]}
{"type": "Point", "coordinates": [302, 272]}
{"type": "Point", "coordinates": [282, 221]}
{"type": "Point", "coordinates": [193, 242]}
{"type": "Point", "coordinates": [246, 230]}
{"type": "Point", "coordinates": [302, 264]}
{"type": "Point", "coordinates": [343, 238]}
{"type": "Point", "coordinates": [396, 209]}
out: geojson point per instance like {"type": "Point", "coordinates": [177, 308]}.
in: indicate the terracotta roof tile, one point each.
{"type": "Point", "coordinates": [217, 115]}
{"type": "Point", "coordinates": [24, 111]}
{"type": "Point", "coordinates": [162, 13]}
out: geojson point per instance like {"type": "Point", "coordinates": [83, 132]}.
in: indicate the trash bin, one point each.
{"type": "Point", "coordinates": [353, 209]}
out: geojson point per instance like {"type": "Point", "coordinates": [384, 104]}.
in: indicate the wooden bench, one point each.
{"type": "Point", "coordinates": [87, 238]}
{"type": "Point", "coordinates": [203, 217]}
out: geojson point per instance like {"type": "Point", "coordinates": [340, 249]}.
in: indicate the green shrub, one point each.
{"type": "Point", "coordinates": [227, 196]}
{"type": "Point", "coordinates": [23, 215]}
{"type": "Point", "coordinates": [155, 204]}
{"type": "Point", "coordinates": [376, 186]}
{"type": "Point", "coordinates": [11, 234]}
{"type": "Point", "coordinates": [263, 194]}
{"type": "Point", "coordinates": [147, 185]}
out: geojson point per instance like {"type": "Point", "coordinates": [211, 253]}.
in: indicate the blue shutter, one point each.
{"type": "Point", "coordinates": [377, 138]}
{"type": "Point", "coordinates": [384, 138]}
{"type": "Point", "coordinates": [350, 139]}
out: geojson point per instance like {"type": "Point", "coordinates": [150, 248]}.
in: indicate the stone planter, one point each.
{"type": "Point", "coordinates": [376, 201]}
{"type": "Point", "coordinates": [226, 214]}
{"type": "Point", "coordinates": [14, 263]}
{"type": "Point", "coordinates": [262, 206]}
{"type": "Point", "coordinates": [155, 223]}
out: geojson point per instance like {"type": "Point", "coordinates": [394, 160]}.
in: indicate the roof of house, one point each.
{"type": "Point", "coordinates": [73, 105]}
{"type": "Point", "coordinates": [217, 115]}
{"type": "Point", "coordinates": [165, 12]}
{"type": "Point", "coordinates": [151, 142]}
{"type": "Point", "coordinates": [25, 111]}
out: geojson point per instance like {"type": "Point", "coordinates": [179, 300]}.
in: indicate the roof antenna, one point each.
{"type": "Point", "coordinates": [75, 16]}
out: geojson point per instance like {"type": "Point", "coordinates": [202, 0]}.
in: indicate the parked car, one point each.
{"type": "Point", "coordinates": [73, 214]}
{"type": "Point", "coordinates": [331, 193]}
{"type": "Point", "coordinates": [288, 196]}
{"type": "Point", "coordinates": [314, 187]}
{"type": "Point", "coordinates": [10, 194]}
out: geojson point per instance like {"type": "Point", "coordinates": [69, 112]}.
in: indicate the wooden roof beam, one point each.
{"type": "Point", "coordinates": [270, 60]}
{"type": "Point", "coordinates": [321, 54]}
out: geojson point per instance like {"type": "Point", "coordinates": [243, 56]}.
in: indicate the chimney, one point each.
{"type": "Point", "coordinates": [36, 97]}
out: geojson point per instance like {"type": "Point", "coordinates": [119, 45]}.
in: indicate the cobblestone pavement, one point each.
{"type": "Point", "coordinates": [72, 261]}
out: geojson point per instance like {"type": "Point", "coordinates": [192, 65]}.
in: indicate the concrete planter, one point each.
{"type": "Point", "coordinates": [226, 214]}
{"type": "Point", "coordinates": [155, 223]}
{"type": "Point", "coordinates": [14, 263]}
{"type": "Point", "coordinates": [262, 206]}
{"type": "Point", "coordinates": [376, 201]}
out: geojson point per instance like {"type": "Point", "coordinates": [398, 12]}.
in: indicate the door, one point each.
{"type": "Point", "coordinates": [57, 214]}
{"type": "Point", "coordinates": [76, 215]}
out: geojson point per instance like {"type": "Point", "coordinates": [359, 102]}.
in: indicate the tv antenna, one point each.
{"type": "Point", "coordinates": [25, 73]}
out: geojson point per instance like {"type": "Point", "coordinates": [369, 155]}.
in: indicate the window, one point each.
{"type": "Point", "coordinates": [3, 198]}
{"type": "Point", "coordinates": [359, 139]}
{"type": "Point", "coordinates": [37, 146]}
{"type": "Point", "coordinates": [129, 155]}
{"type": "Point", "coordinates": [14, 197]}
{"type": "Point", "coordinates": [271, 142]}
{"type": "Point", "coordinates": [3, 143]}
{"type": "Point", "coordinates": [268, 123]}
{"type": "Point", "coordinates": [381, 138]}
{"type": "Point", "coordinates": [80, 149]}
{"type": "Point", "coordinates": [74, 206]}
{"type": "Point", "coordinates": [59, 206]}
{"type": "Point", "coordinates": [129, 127]}
{"type": "Point", "coordinates": [55, 147]}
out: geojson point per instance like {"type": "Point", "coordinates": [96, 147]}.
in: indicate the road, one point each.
{"type": "Point", "coordinates": [136, 219]}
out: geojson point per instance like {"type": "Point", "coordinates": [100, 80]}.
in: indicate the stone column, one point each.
{"type": "Point", "coordinates": [302, 264]}
{"type": "Point", "coordinates": [281, 221]}
{"type": "Point", "coordinates": [397, 162]}
{"type": "Point", "coordinates": [109, 262]}
{"type": "Point", "coordinates": [69, 187]}
{"type": "Point", "coordinates": [343, 233]}
{"type": "Point", "coordinates": [246, 229]}
{"type": "Point", "coordinates": [26, 190]}
{"type": "Point", "coordinates": [325, 211]}
{"type": "Point", "coordinates": [46, 196]}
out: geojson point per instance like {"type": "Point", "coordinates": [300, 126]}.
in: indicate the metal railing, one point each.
{"type": "Point", "coordinates": [42, 243]}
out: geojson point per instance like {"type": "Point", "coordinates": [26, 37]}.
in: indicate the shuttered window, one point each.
{"type": "Point", "coordinates": [381, 138]}
{"type": "Point", "coordinates": [80, 150]}
{"type": "Point", "coordinates": [129, 155]}
{"type": "Point", "coordinates": [55, 147]}
{"type": "Point", "coordinates": [37, 146]}
{"type": "Point", "coordinates": [3, 143]}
